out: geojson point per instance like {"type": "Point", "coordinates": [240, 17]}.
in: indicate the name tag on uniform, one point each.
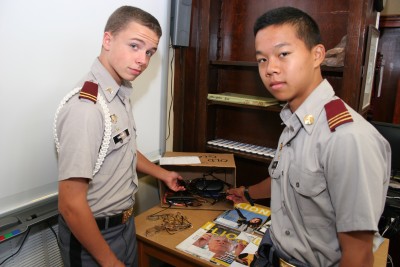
{"type": "Point", "coordinates": [121, 136]}
{"type": "Point", "coordinates": [274, 164]}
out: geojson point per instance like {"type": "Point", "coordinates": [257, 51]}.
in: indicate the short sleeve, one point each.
{"type": "Point", "coordinates": [357, 175]}
{"type": "Point", "coordinates": [80, 130]}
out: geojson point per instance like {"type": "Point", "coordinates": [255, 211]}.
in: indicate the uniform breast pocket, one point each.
{"type": "Point", "coordinates": [119, 155]}
{"type": "Point", "coordinates": [120, 139]}
{"type": "Point", "coordinates": [275, 170]}
{"type": "Point", "coordinates": [311, 196]}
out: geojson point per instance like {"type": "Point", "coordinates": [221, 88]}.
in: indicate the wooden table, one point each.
{"type": "Point", "coordinates": [162, 245]}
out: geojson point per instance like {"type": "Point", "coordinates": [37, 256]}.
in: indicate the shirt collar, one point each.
{"type": "Point", "coordinates": [107, 83]}
{"type": "Point", "coordinates": [311, 108]}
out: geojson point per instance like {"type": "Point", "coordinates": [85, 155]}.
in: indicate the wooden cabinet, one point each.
{"type": "Point", "coordinates": [385, 105]}
{"type": "Point", "coordinates": [221, 58]}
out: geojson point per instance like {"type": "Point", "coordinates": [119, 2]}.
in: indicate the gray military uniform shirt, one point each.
{"type": "Point", "coordinates": [80, 129]}
{"type": "Point", "coordinates": [325, 182]}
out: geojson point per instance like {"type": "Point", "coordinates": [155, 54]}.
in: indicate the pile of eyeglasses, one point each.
{"type": "Point", "coordinates": [171, 223]}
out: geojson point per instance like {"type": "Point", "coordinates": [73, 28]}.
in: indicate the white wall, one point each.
{"type": "Point", "coordinates": [392, 7]}
{"type": "Point", "coordinates": [47, 47]}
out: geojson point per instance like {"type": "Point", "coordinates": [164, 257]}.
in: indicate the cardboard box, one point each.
{"type": "Point", "coordinates": [212, 169]}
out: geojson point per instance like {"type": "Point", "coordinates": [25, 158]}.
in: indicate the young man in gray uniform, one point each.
{"type": "Point", "coordinates": [96, 141]}
{"type": "Point", "coordinates": [330, 174]}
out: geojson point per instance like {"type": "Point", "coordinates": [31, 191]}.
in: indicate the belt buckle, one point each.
{"type": "Point", "coordinates": [127, 214]}
{"type": "Point", "coordinates": [283, 263]}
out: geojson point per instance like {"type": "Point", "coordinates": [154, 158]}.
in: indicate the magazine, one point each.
{"type": "Point", "coordinates": [246, 257]}
{"type": "Point", "coordinates": [263, 228]}
{"type": "Point", "coordinates": [246, 218]}
{"type": "Point", "coordinates": [221, 245]}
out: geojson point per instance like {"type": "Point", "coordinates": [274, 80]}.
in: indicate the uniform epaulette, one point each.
{"type": "Point", "coordinates": [337, 114]}
{"type": "Point", "coordinates": [89, 91]}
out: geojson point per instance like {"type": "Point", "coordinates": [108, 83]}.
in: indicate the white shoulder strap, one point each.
{"type": "Point", "coordinates": [107, 127]}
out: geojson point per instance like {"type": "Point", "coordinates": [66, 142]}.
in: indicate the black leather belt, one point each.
{"type": "Point", "coordinates": [276, 260]}
{"type": "Point", "coordinates": [111, 221]}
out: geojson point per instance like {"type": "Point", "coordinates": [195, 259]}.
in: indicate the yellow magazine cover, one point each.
{"type": "Point", "coordinates": [221, 245]}
{"type": "Point", "coordinates": [245, 217]}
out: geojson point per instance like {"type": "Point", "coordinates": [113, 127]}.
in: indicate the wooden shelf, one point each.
{"type": "Point", "coordinates": [221, 57]}
{"type": "Point", "coordinates": [234, 63]}
{"type": "Point", "coordinates": [236, 153]}
{"type": "Point", "coordinates": [325, 69]}
{"type": "Point", "coordinates": [273, 108]}
{"type": "Point", "coordinates": [332, 71]}
{"type": "Point", "coordinates": [391, 21]}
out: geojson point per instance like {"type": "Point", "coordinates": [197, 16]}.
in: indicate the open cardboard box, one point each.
{"type": "Point", "coordinates": [212, 166]}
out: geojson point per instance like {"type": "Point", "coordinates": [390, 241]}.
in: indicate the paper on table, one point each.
{"type": "Point", "coordinates": [179, 160]}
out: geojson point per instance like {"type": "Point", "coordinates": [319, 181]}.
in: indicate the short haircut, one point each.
{"type": "Point", "coordinates": [124, 15]}
{"type": "Point", "coordinates": [307, 28]}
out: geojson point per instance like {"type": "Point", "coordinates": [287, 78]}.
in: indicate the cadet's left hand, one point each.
{"type": "Point", "coordinates": [174, 181]}
{"type": "Point", "coordinates": [236, 195]}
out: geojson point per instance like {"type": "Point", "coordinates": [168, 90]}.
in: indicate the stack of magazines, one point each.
{"type": "Point", "coordinates": [232, 238]}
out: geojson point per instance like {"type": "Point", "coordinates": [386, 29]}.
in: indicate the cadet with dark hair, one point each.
{"type": "Point", "coordinates": [98, 159]}
{"type": "Point", "coordinates": [330, 174]}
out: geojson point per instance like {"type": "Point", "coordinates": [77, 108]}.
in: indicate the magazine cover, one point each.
{"type": "Point", "coordinates": [246, 257]}
{"type": "Point", "coordinates": [245, 217]}
{"type": "Point", "coordinates": [263, 228]}
{"type": "Point", "coordinates": [221, 245]}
